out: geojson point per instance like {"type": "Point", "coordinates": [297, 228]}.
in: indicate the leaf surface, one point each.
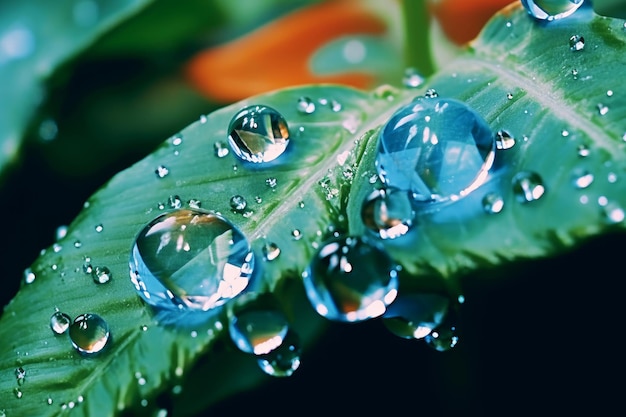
{"type": "Point", "coordinates": [519, 74]}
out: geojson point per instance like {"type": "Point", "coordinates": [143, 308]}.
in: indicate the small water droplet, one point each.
{"type": "Point", "coordinates": [431, 93]}
{"type": "Point", "coordinates": [89, 333]}
{"type": "Point", "coordinates": [221, 149]}
{"type": "Point", "coordinates": [445, 336]}
{"type": "Point", "coordinates": [528, 186]}
{"type": "Point", "coordinates": [296, 234]}
{"type": "Point", "coordinates": [351, 279]}
{"type": "Point", "coordinates": [162, 171]}
{"type": "Point", "coordinates": [504, 140]}
{"type": "Point", "coordinates": [271, 251]}
{"type": "Point", "coordinates": [99, 228]}
{"type": "Point", "coordinates": [450, 146]}
{"type": "Point", "coordinates": [190, 259]}
{"type": "Point", "coordinates": [335, 106]}
{"type": "Point", "coordinates": [49, 401]}
{"type": "Point", "coordinates": [258, 134]}
{"type": "Point", "coordinates": [583, 150]}
{"type": "Point", "coordinates": [238, 203]}
{"type": "Point", "coordinates": [203, 119]}
{"type": "Point", "coordinates": [271, 182]}
{"type": "Point", "coordinates": [609, 93]}
{"type": "Point", "coordinates": [194, 203]}
{"type": "Point", "coordinates": [576, 43]}
{"type": "Point", "coordinates": [412, 78]}
{"type": "Point", "coordinates": [18, 393]}
{"type": "Point", "coordinates": [301, 204]}
{"type": "Point", "coordinates": [29, 276]}
{"type": "Point", "coordinates": [582, 178]}
{"type": "Point", "coordinates": [305, 105]}
{"type": "Point", "coordinates": [492, 203]}
{"type": "Point", "coordinates": [613, 212]}
{"type": "Point", "coordinates": [101, 274]}
{"type": "Point", "coordinates": [414, 316]}
{"type": "Point", "coordinates": [575, 73]}
{"type": "Point", "coordinates": [258, 331]}
{"type": "Point", "coordinates": [551, 9]}
{"type": "Point", "coordinates": [285, 359]}
{"type": "Point", "coordinates": [60, 232]}
{"type": "Point", "coordinates": [174, 202]}
{"type": "Point", "coordinates": [509, 96]}
{"type": "Point", "coordinates": [602, 109]}
{"type": "Point", "coordinates": [388, 213]}
{"type": "Point", "coordinates": [20, 375]}
{"type": "Point", "coordinates": [60, 322]}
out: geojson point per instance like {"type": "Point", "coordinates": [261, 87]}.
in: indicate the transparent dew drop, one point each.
{"type": "Point", "coordinates": [492, 203]}
{"type": "Point", "coordinates": [437, 148]}
{"type": "Point", "coordinates": [29, 276]}
{"type": "Point", "coordinates": [285, 359]}
{"type": "Point", "coordinates": [190, 259]}
{"type": "Point", "coordinates": [221, 149]}
{"type": "Point", "coordinates": [161, 171]}
{"type": "Point", "coordinates": [305, 105]}
{"type": "Point", "coordinates": [18, 393]}
{"type": "Point", "coordinates": [431, 93]}
{"type": "Point", "coordinates": [445, 336]}
{"type": "Point", "coordinates": [414, 316]}
{"type": "Point", "coordinates": [60, 322]}
{"type": "Point", "coordinates": [101, 274]}
{"type": "Point", "coordinates": [551, 9]}
{"type": "Point", "coordinates": [388, 213]}
{"type": "Point", "coordinates": [271, 251]}
{"type": "Point", "coordinates": [20, 375]}
{"type": "Point", "coordinates": [613, 212]}
{"type": "Point", "coordinates": [238, 203]}
{"type": "Point", "coordinates": [412, 78]}
{"type": "Point", "coordinates": [504, 140]}
{"type": "Point", "coordinates": [602, 109]}
{"type": "Point", "coordinates": [582, 178]}
{"type": "Point", "coordinates": [576, 43]}
{"type": "Point", "coordinates": [258, 331]}
{"type": "Point", "coordinates": [351, 279]}
{"type": "Point", "coordinates": [528, 186]}
{"type": "Point", "coordinates": [89, 333]}
{"type": "Point", "coordinates": [258, 134]}
{"type": "Point", "coordinates": [174, 202]}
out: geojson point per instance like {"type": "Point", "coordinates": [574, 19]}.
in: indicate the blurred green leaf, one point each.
{"type": "Point", "coordinates": [520, 75]}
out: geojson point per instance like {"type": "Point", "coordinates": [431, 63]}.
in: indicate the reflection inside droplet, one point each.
{"type": "Point", "coordinates": [551, 9]}
{"type": "Point", "coordinates": [89, 333]}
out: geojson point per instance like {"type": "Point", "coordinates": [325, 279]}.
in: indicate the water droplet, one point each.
{"type": "Point", "coordinates": [18, 393]}
{"type": "Point", "coordinates": [582, 178]}
{"type": "Point", "coordinates": [412, 78]}
{"type": "Point", "coordinates": [445, 336]}
{"type": "Point", "coordinates": [509, 96]}
{"type": "Point", "coordinates": [221, 149]}
{"type": "Point", "coordinates": [414, 316]}
{"type": "Point", "coordinates": [528, 186]}
{"type": "Point", "coordinates": [60, 322]}
{"type": "Point", "coordinates": [161, 171]}
{"type": "Point", "coordinates": [431, 93]}
{"type": "Point", "coordinates": [602, 109]}
{"type": "Point", "coordinates": [551, 9]}
{"type": "Point", "coordinates": [29, 276]}
{"type": "Point", "coordinates": [305, 105]}
{"type": "Point", "coordinates": [258, 331]}
{"type": "Point", "coordinates": [576, 43]}
{"type": "Point", "coordinates": [194, 203]}
{"type": "Point", "coordinates": [492, 203]}
{"type": "Point", "coordinates": [99, 228]}
{"type": "Point", "coordinates": [450, 148]}
{"type": "Point", "coordinates": [504, 140]}
{"type": "Point", "coordinates": [203, 119]}
{"type": "Point", "coordinates": [89, 333]}
{"type": "Point", "coordinates": [609, 93]}
{"type": "Point", "coordinates": [388, 213]}
{"type": "Point", "coordinates": [271, 182]}
{"type": "Point", "coordinates": [174, 202]}
{"type": "Point", "coordinates": [20, 375]}
{"type": "Point", "coordinates": [238, 203]}
{"type": "Point", "coordinates": [335, 106]}
{"type": "Point", "coordinates": [101, 274]}
{"type": "Point", "coordinates": [575, 73]}
{"type": "Point", "coordinates": [271, 251]}
{"type": "Point", "coordinates": [258, 134]}
{"type": "Point", "coordinates": [285, 359]}
{"type": "Point", "coordinates": [583, 150]}
{"type": "Point", "coordinates": [190, 259]}
{"type": "Point", "coordinates": [351, 279]}
{"type": "Point", "coordinates": [613, 212]}
{"type": "Point", "coordinates": [296, 234]}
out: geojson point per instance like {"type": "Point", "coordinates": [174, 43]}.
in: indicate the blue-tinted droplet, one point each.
{"type": "Point", "coordinates": [445, 336]}
{"type": "Point", "coordinates": [551, 9]}
{"type": "Point", "coordinates": [351, 279]}
{"type": "Point", "coordinates": [190, 259]}
{"type": "Point", "coordinates": [285, 359]}
{"type": "Point", "coordinates": [258, 134]}
{"type": "Point", "coordinates": [258, 331]}
{"type": "Point", "coordinates": [436, 148]}
{"type": "Point", "coordinates": [388, 213]}
{"type": "Point", "coordinates": [89, 333]}
{"type": "Point", "coordinates": [60, 322]}
{"type": "Point", "coordinates": [413, 316]}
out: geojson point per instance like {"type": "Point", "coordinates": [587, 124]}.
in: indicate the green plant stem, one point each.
{"type": "Point", "coordinates": [417, 46]}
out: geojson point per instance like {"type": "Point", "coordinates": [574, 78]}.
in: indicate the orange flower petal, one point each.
{"type": "Point", "coordinates": [276, 55]}
{"type": "Point", "coordinates": [462, 20]}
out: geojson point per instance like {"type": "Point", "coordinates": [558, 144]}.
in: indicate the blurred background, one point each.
{"type": "Point", "coordinates": [89, 87]}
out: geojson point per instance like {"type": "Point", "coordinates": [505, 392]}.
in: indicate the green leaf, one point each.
{"type": "Point", "coordinates": [38, 37]}
{"type": "Point", "coordinates": [553, 114]}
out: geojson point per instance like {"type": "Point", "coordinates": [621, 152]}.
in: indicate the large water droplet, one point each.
{"type": "Point", "coordinates": [414, 316]}
{"type": "Point", "coordinates": [351, 279]}
{"type": "Point", "coordinates": [89, 333]}
{"type": "Point", "coordinates": [436, 148]}
{"type": "Point", "coordinates": [258, 330]}
{"type": "Point", "coordinates": [528, 186]}
{"type": "Point", "coordinates": [190, 259]}
{"type": "Point", "coordinates": [285, 359]}
{"type": "Point", "coordinates": [551, 9]}
{"type": "Point", "coordinates": [60, 322]}
{"type": "Point", "coordinates": [258, 134]}
{"type": "Point", "coordinates": [388, 213]}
